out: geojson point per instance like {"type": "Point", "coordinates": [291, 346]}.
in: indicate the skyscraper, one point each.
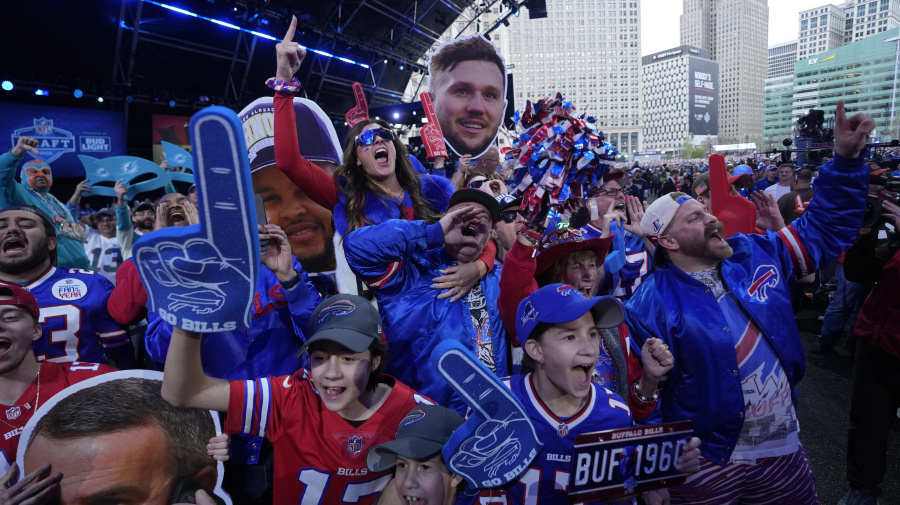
{"type": "Point", "coordinates": [831, 26]}
{"type": "Point", "coordinates": [781, 59]}
{"type": "Point", "coordinates": [590, 50]}
{"type": "Point", "coordinates": [735, 32]}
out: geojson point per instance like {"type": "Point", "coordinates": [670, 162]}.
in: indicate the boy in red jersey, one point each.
{"type": "Point", "coordinates": [25, 384]}
{"type": "Point", "coordinates": [321, 421]}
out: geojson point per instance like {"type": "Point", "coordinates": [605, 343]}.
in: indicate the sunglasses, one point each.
{"type": "Point", "coordinates": [477, 184]}
{"type": "Point", "coordinates": [367, 137]}
{"type": "Point", "coordinates": [510, 216]}
{"type": "Point", "coordinates": [607, 192]}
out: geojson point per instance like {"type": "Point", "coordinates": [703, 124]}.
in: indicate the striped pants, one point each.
{"type": "Point", "coordinates": [782, 480]}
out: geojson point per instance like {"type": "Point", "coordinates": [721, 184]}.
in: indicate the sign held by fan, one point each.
{"type": "Point", "coordinates": [431, 133]}
{"type": "Point", "coordinates": [361, 111]}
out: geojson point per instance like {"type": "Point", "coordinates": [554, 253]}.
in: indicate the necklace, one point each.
{"type": "Point", "coordinates": [37, 399]}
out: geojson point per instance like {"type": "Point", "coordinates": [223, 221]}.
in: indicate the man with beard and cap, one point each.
{"type": "Point", "coordinates": [35, 190]}
{"type": "Point", "coordinates": [399, 260]}
{"type": "Point", "coordinates": [308, 225]}
{"type": "Point", "coordinates": [723, 308]}
{"type": "Point", "coordinates": [73, 314]}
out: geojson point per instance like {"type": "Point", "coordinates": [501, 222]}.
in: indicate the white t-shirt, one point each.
{"type": "Point", "coordinates": [778, 190]}
{"type": "Point", "coordinates": [103, 253]}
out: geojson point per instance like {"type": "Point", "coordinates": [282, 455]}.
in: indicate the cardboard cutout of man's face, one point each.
{"type": "Point", "coordinates": [469, 92]}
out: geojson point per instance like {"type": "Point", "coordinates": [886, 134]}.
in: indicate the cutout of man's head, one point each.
{"type": "Point", "coordinates": [120, 441]}
{"type": "Point", "coordinates": [468, 84]}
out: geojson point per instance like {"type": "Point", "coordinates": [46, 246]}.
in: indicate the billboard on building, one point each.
{"type": "Point", "coordinates": [704, 96]}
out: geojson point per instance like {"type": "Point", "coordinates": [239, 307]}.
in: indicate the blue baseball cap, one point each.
{"type": "Point", "coordinates": [561, 303]}
{"type": "Point", "coordinates": [743, 170]}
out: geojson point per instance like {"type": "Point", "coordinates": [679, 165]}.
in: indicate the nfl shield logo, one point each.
{"type": "Point", "coordinates": [354, 444]}
{"type": "Point", "coordinates": [13, 413]}
{"type": "Point", "coordinates": [563, 430]}
{"type": "Point", "coordinates": [43, 126]}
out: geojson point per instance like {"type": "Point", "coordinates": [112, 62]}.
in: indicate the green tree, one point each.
{"type": "Point", "coordinates": [687, 147]}
{"type": "Point", "coordinates": [698, 152]}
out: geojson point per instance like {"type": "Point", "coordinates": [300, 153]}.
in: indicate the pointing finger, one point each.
{"type": "Point", "coordinates": [292, 30]}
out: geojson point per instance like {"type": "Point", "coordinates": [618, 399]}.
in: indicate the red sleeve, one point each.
{"type": "Point", "coordinates": [128, 301]}
{"type": "Point", "coordinates": [516, 283]}
{"type": "Point", "coordinates": [315, 182]}
{"type": "Point", "coordinates": [639, 410]}
{"type": "Point", "coordinates": [488, 254]}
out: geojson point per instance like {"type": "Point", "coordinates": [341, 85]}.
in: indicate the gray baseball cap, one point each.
{"type": "Point", "coordinates": [349, 320]}
{"type": "Point", "coordinates": [422, 434]}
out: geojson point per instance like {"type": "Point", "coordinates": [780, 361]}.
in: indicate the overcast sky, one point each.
{"type": "Point", "coordinates": [660, 21]}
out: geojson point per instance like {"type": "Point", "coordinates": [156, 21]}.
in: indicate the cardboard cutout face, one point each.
{"type": "Point", "coordinates": [114, 437]}
{"type": "Point", "coordinates": [467, 83]}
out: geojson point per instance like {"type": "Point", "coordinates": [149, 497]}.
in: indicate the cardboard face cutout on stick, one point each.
{"type": "Point", "coordinates": [361, 111]}
{"type": "Point", "coordinates": [129, 168]}
{"type": "Point", "coordinates": [432, 136]}
{"type": "Point", "coordinates": [178, 157]}
{"type": "Point", "coordinates": [467, 82]}
{"type": "Point", "coordinates": [203, 277]}
{"type": "Point", "coordinates": [497, 442]}
{"type": "Point", "coordinates": [115, 431]}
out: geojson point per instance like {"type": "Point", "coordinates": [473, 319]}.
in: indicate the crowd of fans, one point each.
{"type": "Point", "coordinates": [692, 325]}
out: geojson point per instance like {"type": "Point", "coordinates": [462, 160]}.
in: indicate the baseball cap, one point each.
{"type": "Point", "coordinates": [660, 213]}
{"type": "Point", "coordinates": [561, 303]}
{"type": "Point", "coordinates": [143, 206]}
{"type": "Point", "coordinates": [422, 434]}
{"type": "Point", "coordinates": [107, 212]}
{"type": "Point", "coordinates": [20, 297]}
{"type": "Point", "coordinates": [508, 202]}
{"type": "Point", "coordinates": [43, 215]}
{"type": "Point", "coordinates": [742, 170]}
{"type": "Point", "coordinates": [476, 196]}
{"type": "Point", "coordinates": [559, 243]}
{"type": "Point", "coordinates": [349, 320]}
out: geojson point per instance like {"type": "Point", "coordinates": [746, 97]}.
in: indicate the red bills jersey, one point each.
{"type": "Point", "coordinates": [319, 457]}
{"type": "Point", "coordinates": [54, 377]}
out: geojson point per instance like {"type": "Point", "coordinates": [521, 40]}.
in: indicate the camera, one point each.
{"type": "Point", "coordinates": [874, 208]}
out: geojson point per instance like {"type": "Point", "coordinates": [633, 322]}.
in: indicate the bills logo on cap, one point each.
{"type": "Point", "coordinates": [765, 277]}
{"type": "Point", "coordinates": [337, 309]}
{"type": "Point", "coordinates": [657, 225]}
{"type": "Point", "coordinates": [529, 314]}
{"type": "Point", "coordinates": [13, 413]}
{"type": "Point", "coordinates": [354, 444]}
{"type": "Point", "coordinates": [413, 417]}
{"type": "Point", "coordinates": [567, 291]}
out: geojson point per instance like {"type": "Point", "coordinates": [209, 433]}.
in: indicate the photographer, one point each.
{"type": "Point", "coordinates": [876, 370]}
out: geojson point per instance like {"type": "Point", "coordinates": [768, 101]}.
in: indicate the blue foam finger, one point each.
{"type": "Point", "coordinates": [203, 277]}
{"type": "Point", "coordinates": [129, 168]}
{"type": "Point", "coordinates": [616, 259]}
{"type": "Point", "coordinates": [178, 157]}
{"type": "Point", "coordinates": [497, 442]}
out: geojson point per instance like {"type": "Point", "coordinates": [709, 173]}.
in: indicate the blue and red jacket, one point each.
{"type": "Point", "coordinates": [705, 385]}
{"type": "Point", "coordinates": [398, 259]}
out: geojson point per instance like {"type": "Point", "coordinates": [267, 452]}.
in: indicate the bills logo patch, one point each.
{"type": "Point", "coordinates": [13, 413]}
{"type": "Point", "coordinates": [69, 289]}
{"type": "Point", "coordinates": [765, 277]}
{"type": "Point", "coordinates": [413, 417]}
{"type": "Point", "coordinates": [568, 291]}
{"type": "Point", "coordinates": [354, 445]}
{"type": "Point", "coordinates": [336, 309]}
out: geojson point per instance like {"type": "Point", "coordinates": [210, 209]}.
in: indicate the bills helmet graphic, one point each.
{"type": "Point", "coordinates": [765, 277]}
{"type": "Point", "coordinates": [337, 309]}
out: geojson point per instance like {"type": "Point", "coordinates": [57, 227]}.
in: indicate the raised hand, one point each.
{"type": "Point", "coordinates": [289, 54]}
{"type": "Point", "coordinates": [656, 358]}
{"type": "Point", "coordinates": [850, 134]}
{"type": "Point", "coordinates": [24, 145]}
{"type": "Point", "coordinates": [458, 217]}
{"type": "Point", "coordinates": [432, 136]}
{"type": "Point", "coordinates": [219, 447]}
{"type": "Point", "coordinates": [768, 216]}
{"type": "Point", "coordinates": [361, 111]}
{"type": "Point", "coordinates": [42, 487]}
{"type": "Point", "coordinates": [121, 191]}
{"type": "Point", "coordinates": [635, 213]}
{"type": "Point", "coordinates": [277, 257]}
{"type": "Point", "coordinates": [203, 277]}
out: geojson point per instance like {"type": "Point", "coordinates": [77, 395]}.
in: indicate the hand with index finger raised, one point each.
{"type": "Point", "coordinates": [289, 54]}
{"type": "Point", "coordinates": [850, 134]}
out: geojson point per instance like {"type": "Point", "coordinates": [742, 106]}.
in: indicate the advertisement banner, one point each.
{"type": "Point", "coordinates": [63, 133]}
{"type": "Point", "coordinates": [704, 96]}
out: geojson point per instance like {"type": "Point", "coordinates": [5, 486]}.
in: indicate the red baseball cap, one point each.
{"type": "Point", "coordinates": [20, 297]}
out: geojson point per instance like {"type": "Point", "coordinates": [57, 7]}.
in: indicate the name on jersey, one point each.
{"type": "Point", "coordinates": [69, 289]}
{"type": "Point", "coordinates": [565, 458]}
{"type": "Point", "coordinates": [14, 433]}
{"type": "Point", "coordinates": [197, 326]}
{"type": "Point", "coordinates": [352, 471]}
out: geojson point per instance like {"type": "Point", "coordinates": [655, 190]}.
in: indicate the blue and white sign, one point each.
{"type": "Point", "coordinates": [203, 277]}
{"type": "Point", "coordinates": [63, 133]}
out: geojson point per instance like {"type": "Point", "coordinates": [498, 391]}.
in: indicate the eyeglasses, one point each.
{"type": "Point", "coordinates": [510, 216]}
{"type": "Point", "coordinates": [367, 137]}
{"type": "Point", "coordinates": [477, 184]}
{"type": "Point", "coordinates": [607, 192]}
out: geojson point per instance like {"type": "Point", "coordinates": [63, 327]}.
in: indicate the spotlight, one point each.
{"type": "Point", "coordinates": [129, 98]}
{"type": "Point", "coordinates": [396, 115]}
{"type": "Point", "coordinates": [7, 86]}
{"type": "Point", "coordinates": [385, 62]}
{"type": "Point", "coordinates": [100, 99]}
{"type": "Point", "coordinates": [172, 103]}
{"type": "Point", "coordinates": [78, 93]}
{"type": "Point", "coordinates": [401, 66]}
{"type": "Point", "coordinates": [376, 117]}
{"type": "Point", "coordinates": [41, 92]}
{"type": "Point", "coordinates": [414, 113]}
{"type": "Point", "coordinates": [204, 98]}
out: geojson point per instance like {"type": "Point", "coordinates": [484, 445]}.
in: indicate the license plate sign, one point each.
{"type": "Point", "coordinates": [617, 463]}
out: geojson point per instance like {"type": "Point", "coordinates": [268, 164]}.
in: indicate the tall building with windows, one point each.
{"type": "Point", "coordinates": [680, 98]}
{"type": "Point", "coordinates": [589, 50]}
{"type": "Point", "coordinates": [781, 59]}
{"type": "Point", "coordinates": [831, 26]}
{"type": "Point", "coordinates": [735, 32]}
